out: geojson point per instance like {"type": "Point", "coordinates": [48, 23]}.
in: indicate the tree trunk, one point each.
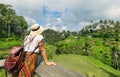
{"type": "Point", "coordinates": [8, 30]}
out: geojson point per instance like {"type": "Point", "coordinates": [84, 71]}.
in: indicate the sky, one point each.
{"type": "Point", "coordinates": [65, 14]}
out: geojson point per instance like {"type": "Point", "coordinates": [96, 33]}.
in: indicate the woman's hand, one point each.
{"type": "Point", "coordinates": [50, 63]}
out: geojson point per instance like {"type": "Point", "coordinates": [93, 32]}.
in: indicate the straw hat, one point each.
{"type": "Point", "coordinates": [36, 29]}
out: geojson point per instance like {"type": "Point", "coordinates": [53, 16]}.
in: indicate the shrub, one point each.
{"type": "Point", "coordinates": [8, 44]}
{"type": "Point", "coordinates": [50, 49]}
{"type": "Point", "coordinates": [3, 54]}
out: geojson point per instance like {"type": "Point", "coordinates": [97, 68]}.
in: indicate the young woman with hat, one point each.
{"type": "Point", "coordinates": [33, 45]}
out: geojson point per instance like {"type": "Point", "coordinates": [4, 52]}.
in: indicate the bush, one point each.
{"type": "Point", "coordinates": [3, 54]}
{"type": "Point", "coordinates": [69, 48]}
{"type": "Point", "coordinates": [2, 73]}
{"type": "Point", "coordinates": [8, 44]}
{"type": "Point", "coordinates": [50, 49]}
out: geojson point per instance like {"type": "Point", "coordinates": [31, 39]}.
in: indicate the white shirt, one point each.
{"type": "Point", "coordinates": [30, 46]}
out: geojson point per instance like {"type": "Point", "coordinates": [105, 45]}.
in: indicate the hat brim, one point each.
{"type": "Point", "coordinates": [37, 32]}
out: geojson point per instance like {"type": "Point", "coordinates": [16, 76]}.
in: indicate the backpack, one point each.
{"type": "Point", "coordinates": [15, 60]}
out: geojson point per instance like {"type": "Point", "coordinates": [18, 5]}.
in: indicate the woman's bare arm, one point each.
{"type": "Point", "coordinates": [44, 55]}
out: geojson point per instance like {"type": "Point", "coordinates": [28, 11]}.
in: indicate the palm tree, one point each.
{"type": "Point", "coordinates": [6, 9]}
{"type": "Point", "coordinates": [115, 57]}
{"type": "Point", "coordinates": [7, 14]}
{"type": "Point", "coordinates": [86, 49]}
{"type": "Point", "coordinates": [9, 21]}
{"type": "Point", "coordinates": [101, 21]}
{"type": "Point", "coordinates": [3, 27]}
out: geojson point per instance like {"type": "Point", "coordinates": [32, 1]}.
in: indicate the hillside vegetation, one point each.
{"type": "Point", "coordinates": [86, 65]}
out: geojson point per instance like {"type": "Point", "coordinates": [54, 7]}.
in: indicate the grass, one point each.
{"type": "Point", "coordinates": [102, 66]}
{"type": "Point", "coordinates": [2, 72]}
{"type": "Point", "coordinates": [86, 65]}
{"type": "Point", "coordinates": [3, 54]}
{"type": "Point", "coordinates": [6, 44]}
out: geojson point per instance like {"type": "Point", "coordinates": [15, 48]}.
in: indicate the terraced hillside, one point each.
{"type": "Point", "coordinates": [86, 65]}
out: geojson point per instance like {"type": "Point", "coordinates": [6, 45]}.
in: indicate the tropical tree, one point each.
{"type": "Point", "coordinates": [6, 9]}
{"type": "Point", "coordinates": [115, 58]}
{"type": "Point", "coordinates": [20, 26]}
{"type": "Point", "coordinates": [10, 23]}
{"type": "Point", "coordinates": [86, 48]}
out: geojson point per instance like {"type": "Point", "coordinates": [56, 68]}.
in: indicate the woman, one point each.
{"type": "Point", "coordinates": [33, 45]}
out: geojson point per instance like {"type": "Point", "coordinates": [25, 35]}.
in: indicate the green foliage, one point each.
{"type": "Point", "coordinates": [50, 49]}
{"type": "Point", "coordinates": [52, 36]}
{"type": "Point", "coordinates": [2, 72]}
{"type": "Point", "coordinates": [3, 54]}
{"type": "Point", "coordinates": [86, 65]}
{"type": "Point", "coordinates": [8, 43]}
{"type": "Point", "coordinates": [98, 40]}
{"type": "Point", "coordinates": [68, 46]}
{"type": "Point", "coordinates": [103, 28]}
{"type": "Point", "coordinates": [85, 46]}
{"type": "Point", "coordinates": [10, 23]}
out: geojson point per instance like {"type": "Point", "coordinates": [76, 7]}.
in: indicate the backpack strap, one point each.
{"type": "Point", "coordinates": [29, 41]}
{"type": "Point", "coordinates": [33, 50]}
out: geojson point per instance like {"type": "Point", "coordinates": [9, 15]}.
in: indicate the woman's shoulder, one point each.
{"type": "Point", "coordinates": [39, 36]}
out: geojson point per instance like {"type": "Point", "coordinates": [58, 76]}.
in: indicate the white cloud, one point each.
{"type": "Point", "coordinates": [75, 13]}
{"type": "Point", "coordinates": [59, 20]}
{"type": "Point", "coordinates": [83, 23]}
{"type": "Point", "coordinates": [113, 12]}
{"type": "Point", "coordinates": [30, 20]}
{"type": "Point", "coordinates": [47, 26]}
{"type": "Point", "coordinates": [63, 28]}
